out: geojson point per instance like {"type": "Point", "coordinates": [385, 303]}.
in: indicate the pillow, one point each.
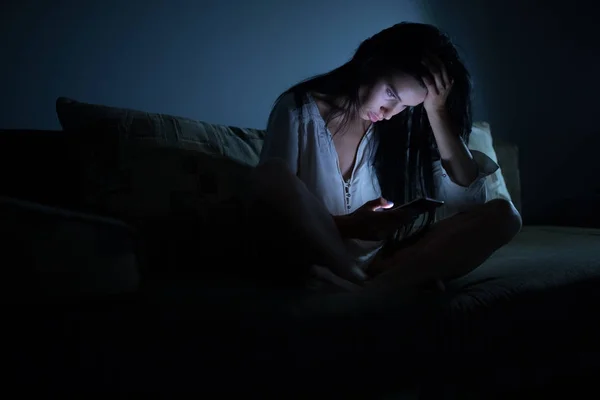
{"type": "Point", "coordinates": [153, 181]}
{"type": "Point", "coordinates": [481, 140]}
{"type": "Point", "coordinates": [241, 145]}
{"type": "Point", "coordinates": [138, 165]}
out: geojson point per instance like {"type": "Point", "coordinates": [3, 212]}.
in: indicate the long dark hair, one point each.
{"type": "Point", "coordinates": [406, 147]}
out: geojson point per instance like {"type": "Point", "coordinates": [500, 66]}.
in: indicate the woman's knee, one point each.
{"type": "Point", "coordinates": [504, 218]}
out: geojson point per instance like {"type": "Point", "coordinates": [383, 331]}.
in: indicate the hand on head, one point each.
{"type": "Point", "coordinates": [438, 83]}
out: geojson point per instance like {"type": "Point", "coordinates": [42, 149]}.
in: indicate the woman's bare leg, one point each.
{"type": "Point", "coordinates": [453, 247]}
{"type": "Point", "coordinates": [277, 188]}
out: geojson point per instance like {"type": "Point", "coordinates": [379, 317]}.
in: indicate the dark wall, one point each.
{"type": "Point", "coordinates": [217, 61]}
{"type": "Point", "coordinates": [535, 65]}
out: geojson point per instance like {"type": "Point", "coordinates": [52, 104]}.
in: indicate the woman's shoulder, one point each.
{"type": "Point", "coordinates": [301, 105]}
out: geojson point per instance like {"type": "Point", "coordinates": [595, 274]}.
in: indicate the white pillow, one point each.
{"type": "Point", "coordinates": [481, 139]}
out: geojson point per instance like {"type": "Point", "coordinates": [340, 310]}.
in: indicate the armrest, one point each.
{"type": "Point", "coordinates": [60, 253]}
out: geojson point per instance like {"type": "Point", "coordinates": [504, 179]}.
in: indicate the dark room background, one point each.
{"type": "Point", "coordinates": [535, 66]}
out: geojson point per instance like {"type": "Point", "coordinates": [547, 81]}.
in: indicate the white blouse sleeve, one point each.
{"type": "Point", "coordinates": [459, 198]}
{"type": "Point", "coordinates": [283, 135]}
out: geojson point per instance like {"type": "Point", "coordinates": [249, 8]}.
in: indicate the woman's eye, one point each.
{"type": "Point", "coordinates": [390, 93]}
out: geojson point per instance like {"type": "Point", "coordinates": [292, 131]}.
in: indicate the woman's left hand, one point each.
{"type": "Point", "coordinates": [438, 85]}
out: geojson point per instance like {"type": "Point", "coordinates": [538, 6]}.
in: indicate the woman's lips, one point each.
{"type": "Point", "coordinates": [374, 117]}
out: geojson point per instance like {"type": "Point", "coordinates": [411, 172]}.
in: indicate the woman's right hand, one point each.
{"type": "Point", "coordinates": [374, 220]}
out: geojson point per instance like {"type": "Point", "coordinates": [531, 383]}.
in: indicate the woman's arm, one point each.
{"type": "Point", "coordinates": [283, 135]}
{"type": "Point", "coordinates": [459, 177]}
{"type": "Point", "coordinates": [458, 198]}
{"type": "Point", "coordinates": [456, 157]}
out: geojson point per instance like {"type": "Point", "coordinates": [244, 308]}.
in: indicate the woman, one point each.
{"type": "Point", "coordinates": [385, 128]}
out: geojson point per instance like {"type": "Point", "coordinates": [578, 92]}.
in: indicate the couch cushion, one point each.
{"type": "Point", "coordinates": [532, 301]}
{"type": "Point", "coordinates": [508, 159]}
{"type": "Point", "coordinates": [60, 253]}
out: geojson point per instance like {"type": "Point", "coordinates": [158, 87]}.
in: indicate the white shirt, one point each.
{"type": "Point", "coordinates": [300, 138]}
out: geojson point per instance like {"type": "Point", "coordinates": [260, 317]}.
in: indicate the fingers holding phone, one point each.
{"type": "Point", "coordinates": [372, 221]}
{"type": "Point", "coordinates": [378, 218]}
{"type": "Point", "coordinates": [419, 206]}
{"type": "Point", "coordinates": [410, 211]}
{"type": "Point", "coordinates": [379, 204]}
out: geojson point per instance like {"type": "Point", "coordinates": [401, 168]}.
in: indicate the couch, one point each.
{"type": "Point", "coordinates": [124, 273]}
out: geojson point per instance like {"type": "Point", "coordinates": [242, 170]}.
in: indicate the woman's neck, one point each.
{"type": "Point", "coordinates": [326, 104]}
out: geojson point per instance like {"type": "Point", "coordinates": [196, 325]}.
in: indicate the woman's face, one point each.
{"type": "Point", "coordinates": [389, 97]}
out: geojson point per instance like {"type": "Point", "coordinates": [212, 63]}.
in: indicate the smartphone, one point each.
{"type": "Point", "coordinates": [420, 205]}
